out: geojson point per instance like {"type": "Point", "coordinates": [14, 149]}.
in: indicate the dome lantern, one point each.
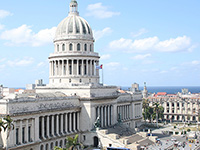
{"type": "Point", "coordinates": [73, 8]}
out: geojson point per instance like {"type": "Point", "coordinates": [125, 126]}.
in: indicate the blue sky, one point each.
{"type": "Point", "coordinates": [139, 41]}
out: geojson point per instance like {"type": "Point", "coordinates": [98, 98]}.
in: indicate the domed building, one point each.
{"type": "Point", "coordinates": [74, 60]}
{"type": "Point", "coordinates": [74, 102]}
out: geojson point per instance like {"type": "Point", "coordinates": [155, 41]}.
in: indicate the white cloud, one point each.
{"type": "Point", "coordinates": [20, 62]}
{"type": "Point", "coordinates": [107, 56]}
{"type": "Point", "coordinates": [101, 33]}
{"type": "Point", "coordinates": [140, 32]}
{"type": "Point", "coordinates": [24, 35]}
{"type": "Point", "coordinates": [153, 44]}
{"type": "Point", "coordinates": [113, 64]}
{"type": "Point", "coordinates": [140, 57]}
{"type": "Point", "coordinates": [99, 11]}
{"type": "Point", "coordinates": [195, 62]}
{"type": "Point", "coordinates": [163, 72]}
{"type": "Point", "coordinates": [191, 63]}
{"type": "Point", "coordinates": [4, 13]}
{"type": "Point", "coordinates": [2, 59]}
{"type": "Point", "coordinates": [1, 26]}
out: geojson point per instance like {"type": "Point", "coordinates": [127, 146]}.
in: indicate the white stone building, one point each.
{"type": "Point", "coordinates": [178, 107]}
{"type": "Point", "coordinates": [73, 99]}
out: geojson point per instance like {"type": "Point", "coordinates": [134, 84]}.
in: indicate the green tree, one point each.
{"type": "Point", "coordinates": [161, 112]}
{"type": "Point", "coordinates": [72, 144]}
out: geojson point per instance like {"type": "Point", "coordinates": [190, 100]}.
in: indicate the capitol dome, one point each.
{"type": "Point", "coordinates": [73, 26]}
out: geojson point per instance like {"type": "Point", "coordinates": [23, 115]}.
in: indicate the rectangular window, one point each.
{"type": "Point", "coordinates": [29, 134]}
{"type": "Point", "coordinates": [17, 136]}
{"type": "Point", "coordinates": [23, 134]}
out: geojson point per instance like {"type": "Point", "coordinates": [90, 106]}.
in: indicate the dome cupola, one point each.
{"type": "Point", "coordinates": [73, 26]}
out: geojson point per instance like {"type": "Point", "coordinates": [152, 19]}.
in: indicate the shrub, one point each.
{"type": "Point", "coordinates": [174, 127]}
{"type": "Point", "coordinates": [188, 130]}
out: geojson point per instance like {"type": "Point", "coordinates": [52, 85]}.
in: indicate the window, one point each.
{"type": "Point", "coordinates": [79, 70]}
{"type": "Point", "coordinates": [58, 48]}
{"type": "Point", "coordinates": [23, 135]}
{"type": "Point", "coordinates": [91, 48]}
{"type": "Point", "coordinates": [63, 47]}
{"type": "Point", "coordinates": [80, 80]}
{"type": "Point", "coordinates": [85, 47]}
{"type": "Point", "coordinates": [41, 147]}
{"type": "Point", "coordinates": [29, 133]}
{"type": "Point", "coordinates": [17, 136]}
{"type": "Point", "coordinates": [70, 80]}
{"type": "Point", "coordinates": [70, 70]}
{"type": "Point", "coordinates": [70, 47]}
{"type": "Point", "coordinates": [78, 47]}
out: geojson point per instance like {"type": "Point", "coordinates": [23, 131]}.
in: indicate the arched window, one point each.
{"type": "Point", "coordinates": [78, 47]}
{"type": "Point", "coordinates": [56, 143]}
{"type": "Point", "coordinates": [61, 143]}
{"type": "Point", "coordinates": [41, 147]}
{"type": "Point", "coordinates": [85, 47]}
{"type": "Point", "coordinates": [70, 47]}
{"type": "Point", "coordinates": [51, 146]}
{"type": "Point", "coordinates": [57, 48]}
{"type": "Point", "coordinates": [63, 47]}
{"type": "Point", "coordinates": [47, 147]}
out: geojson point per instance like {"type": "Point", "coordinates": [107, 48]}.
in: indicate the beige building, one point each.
{"type": "Point", "coordinates": [178, 107]}
{"type": "Point", "coordinates": [73, 100]}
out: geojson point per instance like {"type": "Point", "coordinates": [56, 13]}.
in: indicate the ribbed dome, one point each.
{"type": "Point", "coordinates": [73, 26]}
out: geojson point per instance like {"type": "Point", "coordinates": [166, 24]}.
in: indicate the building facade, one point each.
{"type": "Point", "coordinates": [73, 100]}
{"type": "Point", "coordinates": [179, 107]}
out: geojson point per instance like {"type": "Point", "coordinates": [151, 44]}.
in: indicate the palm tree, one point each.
{"type": "Point", "coordinates": [72, 143]}
{"type": "Point", "coordinates": [156, 109]}
{"type": "Point", "coordinates": [2, 123]}
{"type": "Point", "coordinates": [8, 124]}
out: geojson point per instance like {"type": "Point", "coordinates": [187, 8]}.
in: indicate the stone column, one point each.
{"type": "Point", "coordinates": [186, 107]}
{"type": "Point", "coordinates": [33, 131]}
{"type": "Point", "coordinates": [52, 125]}
{"type": "Point", "coordinates": [170, 107]}
{"type": "Point", "coordinates": [66, 123]}
{"type": "Point", "coordinates": [36, 129]}
{"type": "Point", "coordinates": [20, 131]}
{"type": "Point", "coordinates": [61, 126]}
{"type": "Point", "coordinates": [70, 122]}
{"type": "Point", "coordinates": [26, 131]}
{"type": "Point", "coordinates": [101, 116]}
{"type": "Point", "coordinates": [74, 116]}
{"type": "Point", "coordinates": [47, 131]}
{"type": "Point", "coordinates": [57, 124]}
{"type": "Point", "coordinates": [78, 122]}
{"type": "Point", "coordinates": [72, 67]}
{"type": "Point", "coordinates": [14, 133]}
{"type": "Point", "coordinates": [108, 115]}
{"type": "Point", "coordinates": [105, 117]}
{"type": "Point", "coordinates": [42, 128]}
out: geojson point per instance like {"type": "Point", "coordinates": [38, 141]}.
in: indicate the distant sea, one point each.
{"type": "Point", "coordinates": [168, 89]}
